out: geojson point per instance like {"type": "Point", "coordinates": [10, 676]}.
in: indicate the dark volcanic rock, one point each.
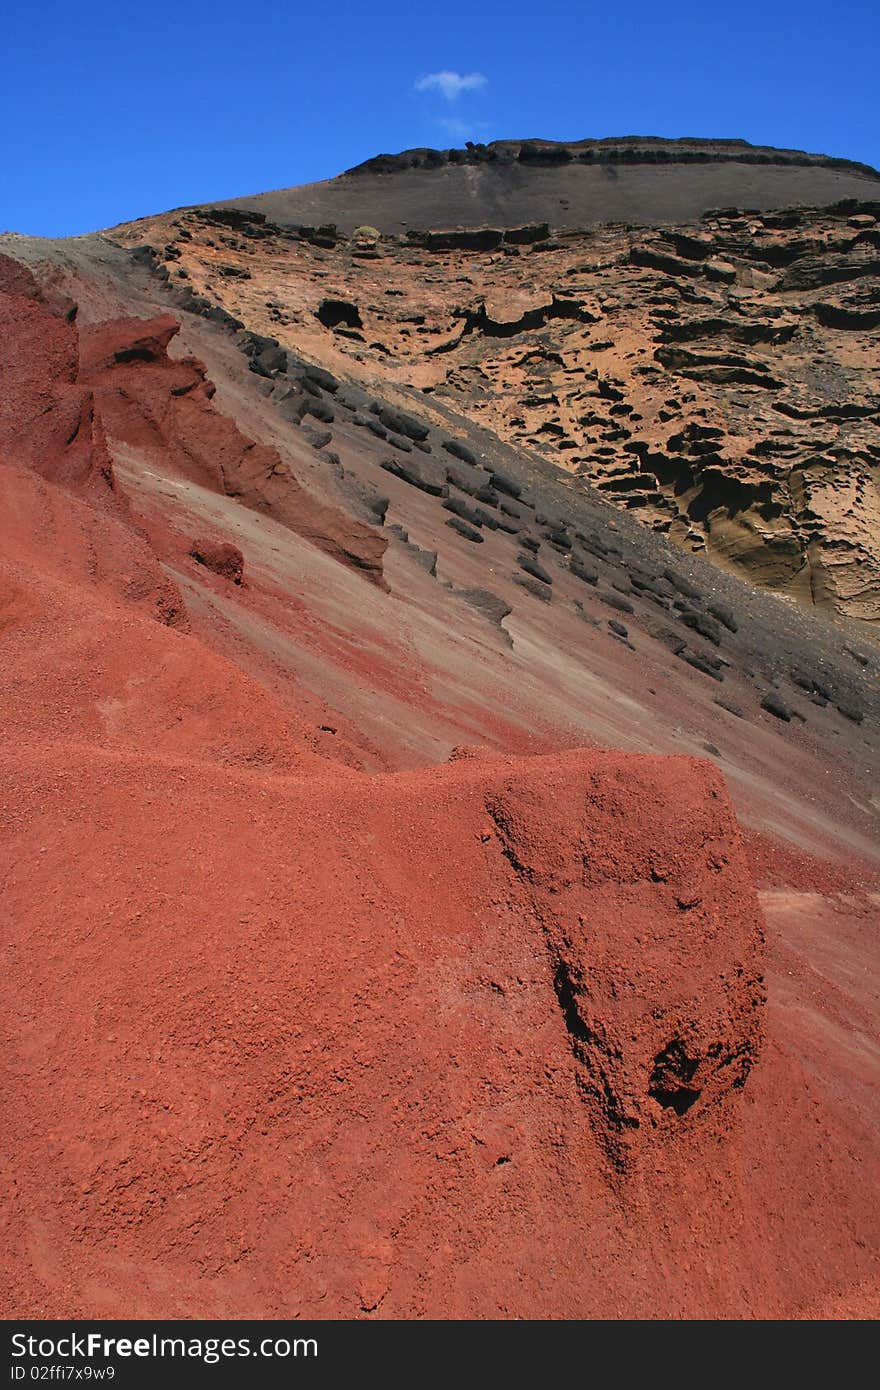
{"type": "Point", "coordinates": [503, 483]}
{"type": "Point", "coordinates": [402, 424]}
{"type": "Point", "coordinates": [269, 361]}
{"type": "Point", "coordinates": [775, 706]}
{"type": "Point", "coordinates": [705, 626]}
{"type": "Point", "coordinates": [683, 585]}
{"type": "Point", "coordinates": [701, 663]}
{"type": "Point", "coordinates": [460, 451]}
{"type": "Point", "coordinates": [851, 712]}
{"type": "Point", "coordinates": [494, 608]}
{"type": "Point", "coordinates": [729, 707]}
{"type": "Point", "coordinates": [724, 615]}
{"type": "Point", "coordinates": [473, 515]}
{"type": "Point", "coordinates": [851, 317]}
{"type": "Point", "coordinates": [534, 587]}
{"type": "Point", "coordinates": [614, 601]}
{"type": "Point", "coordinates": [467, 479]}
{"type": "Point", "coordinates": [658, 260]}
{"type": "Point", "coordinates": [422, 475]}
{"type": "Point", "coordinates": [463, 529]}
{"type": "Point", "coordinates": [318, 439]}
{"type": "Point", "coordinates": [587, 576]}
{"type": "Point", "coordinates": [531, 566]}
{"type": "Point", "coordinates": [460, 239]}
{"type": "Point", "coordinates": [325, 380]}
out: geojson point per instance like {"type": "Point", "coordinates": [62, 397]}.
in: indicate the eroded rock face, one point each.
{"type": "Point", "coordinates": [717, 378]}
{"type": "Point", "coordinates": [51, 427]}
{"type": "Point", "coordinates": [65, 391]}
{"type": "Point", "coordinates": [654, 938]}
{"type": "Point", "coordinates": [151, 400]}
{"type": "Point", "coordinates": [47, 414]}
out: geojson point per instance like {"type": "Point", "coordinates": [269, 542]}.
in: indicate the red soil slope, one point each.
{"type": "Point", "coordinates": [488, 1038]}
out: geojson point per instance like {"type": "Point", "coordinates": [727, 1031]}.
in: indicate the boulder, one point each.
{"type": "Point", "coordinates": [403, 424]}
{"type": "Point", "coordinates": [423, 475]}
{"type": "Point", "coordinates": [463, 529]}
{"type": "Point", "coordinates": [220, 557]}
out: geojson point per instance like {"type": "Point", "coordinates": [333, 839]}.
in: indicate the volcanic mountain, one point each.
{"type": "Point", "coordinates": [440, 861]}
{"type": "Point", "coordinates": [582, 183]}
{"type": "Point", "coordinates": [710, 369]}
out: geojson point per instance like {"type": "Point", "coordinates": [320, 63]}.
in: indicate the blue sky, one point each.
{"type": "Point", "coordinates": [112, 111]}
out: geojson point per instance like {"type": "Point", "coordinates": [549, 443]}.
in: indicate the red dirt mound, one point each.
{"type": "Point", "coordinates": [654, 936]}
{"type": "Point", "coordinates": [220, 557]}
{"type": "Point", "coordinates": [303, 1060]}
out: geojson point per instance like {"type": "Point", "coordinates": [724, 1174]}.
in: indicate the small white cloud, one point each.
{"type": "Point", "coordinates": [451, 84]}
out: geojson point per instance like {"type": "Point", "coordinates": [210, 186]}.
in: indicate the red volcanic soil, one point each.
{"type": "Point", "coordinates": [285, 1037]}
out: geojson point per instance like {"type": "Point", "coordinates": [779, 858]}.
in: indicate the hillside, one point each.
{"type": "Point", "coordinates": [717, 378]}
{"type": "Point", "coordinates": [435, 888]}
{"type": "Point", "coordinates": [577, 184]}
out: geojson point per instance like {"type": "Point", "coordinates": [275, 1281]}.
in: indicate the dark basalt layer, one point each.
{"type": "Point", "coordinates": [614, 149]}
{"type": "Point", "coordinates": [523, 183]}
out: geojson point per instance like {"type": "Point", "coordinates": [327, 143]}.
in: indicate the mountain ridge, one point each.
{"type": "Point", "coordinates": [607, 149]}
{"type": "Point", "coordinates": [643, 180]}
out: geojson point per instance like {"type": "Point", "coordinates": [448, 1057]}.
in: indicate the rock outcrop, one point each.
{"type": "Point", "coordinates": [152, 401]}
{"type": "Point", "coordinates": [717, 379]}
